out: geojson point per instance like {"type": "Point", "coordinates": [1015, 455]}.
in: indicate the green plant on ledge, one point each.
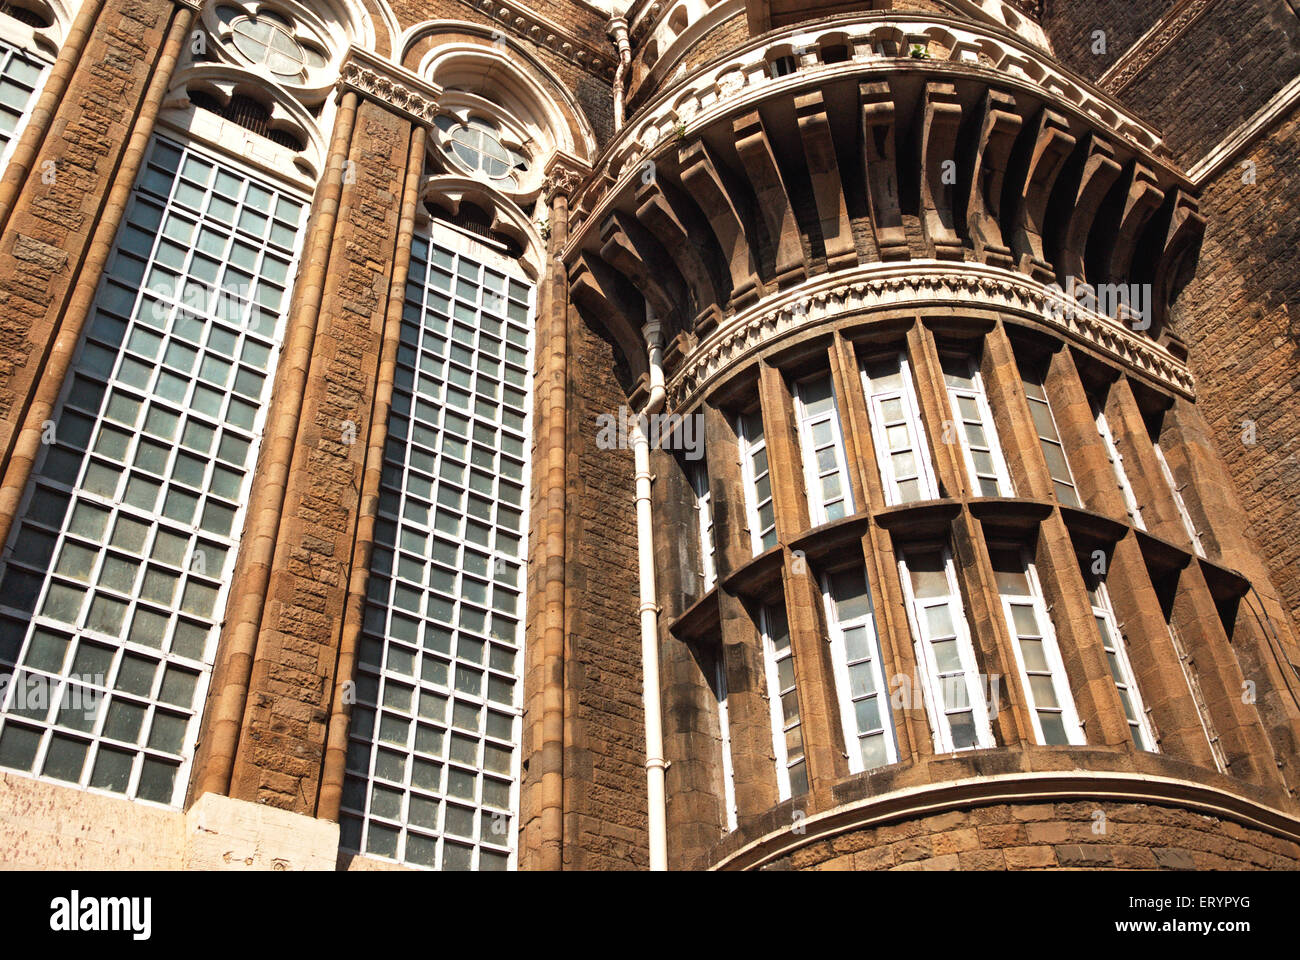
{"type": "Point", "coordinates": [919, 52]}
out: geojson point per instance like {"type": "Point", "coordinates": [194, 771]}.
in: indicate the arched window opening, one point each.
{"type": "Point", "coordinates": [476, 146]}
{"type": "Point", "coordinates": [249, 114]}
{"type": "Point", "coordinates": [33, 15]}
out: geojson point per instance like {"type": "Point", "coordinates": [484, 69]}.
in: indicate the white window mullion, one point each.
{"type": "Point", "coordinates": [861, 688]}
{"type": "Point", "coordinates": [973, 423]}
{"type": "Point", "coordinates": [1117, 465]}
{"type": "Point", "coordinates": [1049, 440]}
{"type": "Point", "coordinates": [821, 441]}
{"type": "Point", "coordinates": [1179, 502]}
{"type": "Point", "coordinates": [22, 75]}
{"type": "Point", "coordinates": [117, 573]}
{"type": "Point", "coordinates": [897, 431]}
{"type": "Point", "coordinates": [724, 726]}
{"type": "Point", "coordinates": [1121, 668]}
{"type": "Point", "coordinates": [783, 697]}
{"type": "Point", "coordinates": [1038, 657]}
{"type": "Point", "coordinates": [699, 475]}
{"type": "Point", "coordinates": [759, 508]}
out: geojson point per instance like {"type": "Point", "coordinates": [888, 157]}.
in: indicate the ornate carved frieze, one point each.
{"type": "Point", "coordinates": [915, 285]}
{"type": "Point", "coordinates": [392, 85]}
{"type": "Point", "coordinates": [1157, 40]}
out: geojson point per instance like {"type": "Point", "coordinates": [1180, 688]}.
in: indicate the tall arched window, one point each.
{"type": "Point", "coordinates": [433, 752]}
{"type": "Point", "coordinates": [24, 65]}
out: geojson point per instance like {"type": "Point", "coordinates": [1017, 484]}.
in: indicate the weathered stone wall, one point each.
{"type": "Point", "coordinates": [282, 741]}
{"type": "Point", "coordinates": [60, 205]}
{"type": "Point", "coordinates": [1052, 836]}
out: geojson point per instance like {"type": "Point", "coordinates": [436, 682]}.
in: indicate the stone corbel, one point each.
{"type": "Point", "coordinates": [1142, 199]}
{"type": "Point", "coordinates": [1100, 171]}
{"type": "Point", "coordinates": [824, 172]}
{"type": "Point", "coordinates": [1053, 144]}
{"type": "Point", "coordinates": [999, 126]}
{"type": "Point", "coordinates": [676, 225]}
{"type": "Point", "coordinates": [701, 179]}
{"type": "Point", "coordinates": [880, 155]}
{"type": "Point", "coordinates": [938, 170]}
{"type": "Point", "coordinates": [390, 85]}
{"type": "Point", "coordinates": [773, 200]}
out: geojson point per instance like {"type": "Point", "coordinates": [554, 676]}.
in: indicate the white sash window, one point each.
{"type": "Point", "coordinates": [897, 431]}
{"type": "Point", "coordinates": [787, 729]}
{"type": "Point", "coordinates": [757, 476]}
{"type": "Point", "coordinates": [1049, 438]}
{"type": "Point", "coordinates": [699, 476]}
{"type": "Point", "coordinates": [859, 672]}
{"type": "Point", "coordinates": [974, 429]}
{"type": "Point", "coordinates": [1117, 465]}
{"type": "Point", "coordinates": [1121, 669]}
{"type": "Point", "coordinates": [1180, 503]}
{"type": "Point", "coordinates": [1038, 658]}
{"type": "Point", "coordinates": [724, 728]}
{"type": "Point", "coordinates": [950, 680]}
{"type": "Point", "coordinates": [822, 443]}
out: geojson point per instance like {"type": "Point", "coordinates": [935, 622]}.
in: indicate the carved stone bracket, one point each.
{"type": "Point", "coordinates": [827, 299]}
{"type": "Point", "coordinates": [389, 84]}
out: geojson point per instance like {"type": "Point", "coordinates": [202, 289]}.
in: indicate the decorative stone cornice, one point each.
{"type": "Point", "coordinates": [527, 25]}
{"type": "Point", "coordinates": [564, 174]}
{"type": "Point", "coordinates": [389, 84]}
{"type": "Point", "coordinates": [1152, 44]}
{"type": "Point", "coordinates": [914, 284]}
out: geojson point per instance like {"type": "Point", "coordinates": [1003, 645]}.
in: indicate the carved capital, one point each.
{"type": "Point", "coordinates": [565, 173]}
{"type": "Point", "coordinates": [391, 85]}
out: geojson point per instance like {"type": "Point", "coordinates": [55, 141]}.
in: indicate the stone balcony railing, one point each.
{"type": "Point", "coordinates": [882, 42]}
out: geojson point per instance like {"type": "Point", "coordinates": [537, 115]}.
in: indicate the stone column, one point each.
{"type": "Point", "coordinates": [94, 149]}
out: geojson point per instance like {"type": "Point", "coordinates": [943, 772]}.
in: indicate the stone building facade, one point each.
{"type": "Point", "coordinates": [441, 434]}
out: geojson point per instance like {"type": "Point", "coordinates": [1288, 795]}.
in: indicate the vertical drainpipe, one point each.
{"type": "Point", "coordinates": [656, 808]}
{"type": "Point", "coordinates": [617, 30]}
{"type": "Point", "coordinates": [28, 444]}
{"type": "Point", "coordinates": [336, 741]}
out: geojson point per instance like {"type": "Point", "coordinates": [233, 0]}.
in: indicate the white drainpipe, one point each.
{"type": "Point", "coordinates": [649, 608]}
{"type": "Point", "coordinates": [617, 30]}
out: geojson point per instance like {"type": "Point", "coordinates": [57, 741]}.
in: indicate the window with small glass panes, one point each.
{"type": "Point", "coordinates": [114, 583]}
{"type": "Point", "coordinates": [433, 759]}
{"type": "Point", "coordinates": [21, 75]}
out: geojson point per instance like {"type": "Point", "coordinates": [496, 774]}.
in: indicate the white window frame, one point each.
{"type": "Point", "coordinates": [1117, 466]}
{"type": "Point", "coordinates": [1179, 502]}
{"type": "Point", "coordinates": [840, 665]}
{"type": "Point", "coordinates": [931, 681]}
{"type": "Point", "coordinates": [1056, 671]}
{"type": "Point", "coordinates": [189, 365]}
{"type": "Point", "coordinates": [699, 476]}
{"type": "Point", "coordinates": [1037, 381]}
{"type": "Point", "coordinates": [750, 447]}
{"type": "Point", "coordinates": [721, 692]}
{"type": "Point", "coordinates": [15, 41]}
{"type": "Point", "coordinates": [818, 507]}
{"type": "Point", "coordinates": [468, 303]}
{"type": "Point", "coordinates": [775, 691]}
{"type": "Point", "coordinates": [1115, 643]}
{"type": "Point", "coordinates": [979, 397]}
{"type": "Point", "coordinates": [912, 421]}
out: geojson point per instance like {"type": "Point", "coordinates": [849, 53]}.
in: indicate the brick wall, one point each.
{"type": "Point", "coordinates": [605, 779]}
{"type": "Point", "coordinates": [1241, 318]}
{"type": "Point", "coordinates": [1052, 836]}
{"type": "Point", "coordinates": [53, 221]}
{"type": "Point", "coordinates": [1212, 78]}
{"type": "Point", "coordinates": [282, 742]}
{"type": "Point", "coordinates": [1070, 26]}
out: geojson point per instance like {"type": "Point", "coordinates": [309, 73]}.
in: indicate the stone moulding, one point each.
{"type": "Point", "coordinates": [527, 25]}
{"type": "Point", "coordinates": [915, 802]}
{"type": "Point", "coordinates": [391, 85]}
{"type": "Point", "coordinates": [1152, 44]}
{"type": "Point", "coordinates": [914, 284]}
